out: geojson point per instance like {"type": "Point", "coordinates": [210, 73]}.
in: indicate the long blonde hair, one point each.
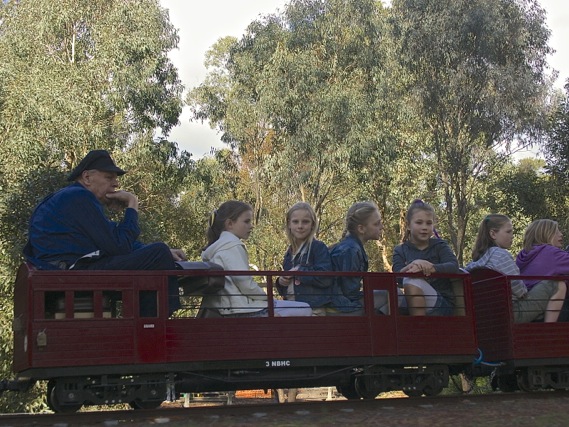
{"type": "Point", "coordinates": [300, 206]}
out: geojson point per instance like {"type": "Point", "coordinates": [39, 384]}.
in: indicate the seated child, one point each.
{"type": "Point", "coordinates": [241, 296]}
{"type": "Point", "coordinates": [494, 238]}
{"type": "Point", "coordinates": [363, 223]}
{"type": "Point", "coordinates": [305, 253]}
{"type": "Point", "coordinates": [542, 256]}
{"type": "Point", "coordinates": [420, 252]}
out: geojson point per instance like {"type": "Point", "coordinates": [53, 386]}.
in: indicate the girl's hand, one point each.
{"type": "Point", "coordinates": [287, 280]}
{"type": "Point", "coordinates": [419, 266]}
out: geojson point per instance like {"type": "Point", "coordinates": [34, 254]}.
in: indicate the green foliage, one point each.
{"type": "Point", "coordinates": [213, 181]}
{"type": "Point", "coordinates": [156, 174]}
{"type": "Point", "coordinates": [17, 204]}
{"type": "Point", "coordinates": [474, 75]}
{"type": "Point", "coordinates": [301, 97]}
{"type": "Point", "coordinates": [81, 75]}
{"type": "Point", "coordinates": [329, 96]}
{"type": "Point", "coordinates": [556, 147]}
{"type": "Point", "coordinates": [526, 193]}
{"type": "Point", "coordinates": [556, 151]}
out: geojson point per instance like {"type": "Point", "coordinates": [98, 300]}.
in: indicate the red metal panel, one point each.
{"type": "Point", "coordinates": [262, 338]}
{"type": "Point", "coordinates": [131, 339]}
{"type": "Point", "coordinates": [500, 338]}
{"type": "Point", "coordinates": [82, 342]}
{"type": "Point", "coordinates": [436, 335]}
{"type": "Point", "coordinates": [79, 341]}
{"type": "Point", "coordinates": [441, 335]}
{"type": "Point", "coordinates": [384, 334]}
{"type": "Point", "coordinates": [540, 340]}
{"type": "Point", "coordinates": [493, 313]}
{"type": "Point", "coordinates": [22, 320]}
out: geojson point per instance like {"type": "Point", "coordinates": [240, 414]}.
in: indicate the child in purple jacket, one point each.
{"type": "Point", "coordinates": [542, 256]}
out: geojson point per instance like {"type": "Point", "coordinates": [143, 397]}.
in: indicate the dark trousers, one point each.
{"type": "Point", "coordinates": [154, 256]}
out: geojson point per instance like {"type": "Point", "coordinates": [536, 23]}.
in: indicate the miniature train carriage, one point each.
{"type": "Point", "coordinates": [91, 335]}
{"type": "Point", "coordinates": [526, 356]}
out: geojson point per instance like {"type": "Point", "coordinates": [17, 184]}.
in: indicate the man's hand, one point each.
{"type": "Point", "coordinates": [118, 200]}
{"type": "Point", "coordinates": [179, 255]}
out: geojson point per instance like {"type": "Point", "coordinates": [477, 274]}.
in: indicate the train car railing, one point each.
{"type": "Point", "coordinates": [499, 336]}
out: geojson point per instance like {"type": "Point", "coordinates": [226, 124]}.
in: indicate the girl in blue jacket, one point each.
{"type": "Point", "coordinates": [363, 223]}
{"type": "Point", "coordinates": [305, 253]}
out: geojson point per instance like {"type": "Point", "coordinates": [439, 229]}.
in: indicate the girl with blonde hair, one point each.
{"type": "Point", "coordinates": [542, 256]}
{"type": "Point", "coordinates": [363, 223]}
{"type": "Point", "coordinates": [305, 253]}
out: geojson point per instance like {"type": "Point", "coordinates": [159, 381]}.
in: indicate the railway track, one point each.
{"type": "Point", "coordinates": [504, 409]}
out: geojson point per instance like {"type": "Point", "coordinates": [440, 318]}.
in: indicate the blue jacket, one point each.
{"type": "Point", "coordinates": [349, 255]}
{"type": "Point", "coordinates": [71, 223]}
{"type": "Point", "coordinates": [313, 290]}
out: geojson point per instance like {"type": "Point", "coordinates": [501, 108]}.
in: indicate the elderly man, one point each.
{"type": "Point", "coordinates": [69, 228]}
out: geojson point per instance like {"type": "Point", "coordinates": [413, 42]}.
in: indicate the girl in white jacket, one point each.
{"type": "Point", "coordinates": [241, 296]}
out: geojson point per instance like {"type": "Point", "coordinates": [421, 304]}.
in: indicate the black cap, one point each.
{"type": "Point", "coordinates": [95, 159]}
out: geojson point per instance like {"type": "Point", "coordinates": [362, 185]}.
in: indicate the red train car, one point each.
{"type": "Point", "coordinates": [527, 356]}
{"type": "Point", "coordinates": [85, 332]}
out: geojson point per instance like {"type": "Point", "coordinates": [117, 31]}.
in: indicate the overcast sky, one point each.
{"type": "Point", "coordinates": [201, 24]}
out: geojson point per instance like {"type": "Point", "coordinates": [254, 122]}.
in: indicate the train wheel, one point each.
{"type": "Point", "coordinates": [365, 388]}
{"type": "Point", "coordinates": [432, 390]}
{"type": "Point", "coordinates": [349, 391]}
{"type": "Point", "coordinates": [145, 404]}
{"type": "Point", "coordinates": [523, 381]}
{"type": "Point", "coordinates": [53, 402]}
{"type": "Point", "coordinates": [507, 383]}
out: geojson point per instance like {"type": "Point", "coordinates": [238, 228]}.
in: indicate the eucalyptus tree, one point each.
{"type": "Point", "coordinates": [323, 91]}
{"type": "Point", "coordinates": [556, 152]}
{"type": "Point", "coordinates": [78, 75]}
{"type": "Point", "coordinates": [75, 75]}
{"type": "Point", "coordinates": [556, 147]}
{"type": "Point", "coordinates": [302, 96]}
{"type": "Point", "coordinates": [475, 73]}
{"type": "Point", "coordinates": [527, 191]}
{"type": "Point", "coordinates": [214, 179]}
{"type": "Point", "coordinates": [157, 173]}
